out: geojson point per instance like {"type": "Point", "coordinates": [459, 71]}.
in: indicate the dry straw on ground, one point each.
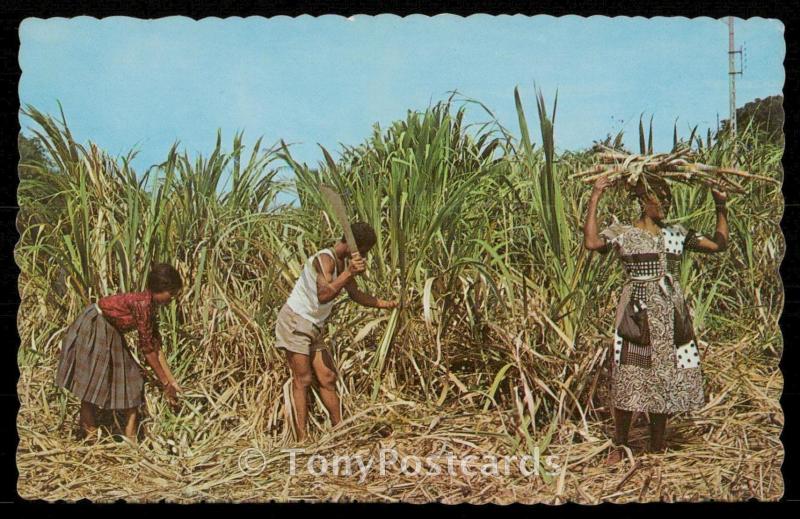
{"type": "Point", "coordinates": [730, 452]}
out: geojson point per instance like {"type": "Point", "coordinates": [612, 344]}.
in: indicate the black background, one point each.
{"type": "Point", "coordinates": [9, 298]}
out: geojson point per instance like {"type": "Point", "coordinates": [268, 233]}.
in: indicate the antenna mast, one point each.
{"type": "Point", "coordinates": [732, 77]}
{"type": "Point", "coordinates": [732, 82]}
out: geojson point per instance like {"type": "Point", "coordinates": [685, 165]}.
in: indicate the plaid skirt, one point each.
{"type": "Point", "coordinates": [96, 366]}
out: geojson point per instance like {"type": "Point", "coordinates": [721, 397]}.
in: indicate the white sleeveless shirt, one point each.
{"type": "Point", "coordinates": [303, 300]}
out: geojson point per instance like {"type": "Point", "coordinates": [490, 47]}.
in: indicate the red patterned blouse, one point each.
{"type": "Point", "coordinates": [134, 310]}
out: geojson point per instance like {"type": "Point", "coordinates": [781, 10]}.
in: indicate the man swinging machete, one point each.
{"type": "Point", "coordinates": [300, 326]}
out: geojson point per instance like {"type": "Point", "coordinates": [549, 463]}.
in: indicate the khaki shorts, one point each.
{"type": "Point", "coordinates": [297, 334]}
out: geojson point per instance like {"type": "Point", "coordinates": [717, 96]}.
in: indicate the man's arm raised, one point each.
{"type": "Point", "coordinates": [327, 287]}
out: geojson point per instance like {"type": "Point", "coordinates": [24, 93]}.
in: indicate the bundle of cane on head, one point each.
{"type": "Point", "coordinates": [654, 170]}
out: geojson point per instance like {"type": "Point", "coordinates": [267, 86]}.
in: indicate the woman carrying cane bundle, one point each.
{"type": "Point", "coordinates": [656, 363]}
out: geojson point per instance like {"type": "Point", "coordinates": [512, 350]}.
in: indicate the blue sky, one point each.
{"type": "Point", "coordinates": [126, 83]}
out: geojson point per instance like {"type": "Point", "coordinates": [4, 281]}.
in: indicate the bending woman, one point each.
{"type": "Point", "coordinates": [656, 363]}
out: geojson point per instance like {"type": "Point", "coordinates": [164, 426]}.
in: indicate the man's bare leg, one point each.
{"type": "Point", "coordinates": [325, 372]}
{"type": "Point", "coordinates": [300, 366]}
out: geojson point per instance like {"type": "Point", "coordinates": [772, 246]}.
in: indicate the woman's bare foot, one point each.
{"type": "Point", "coordinates": [615, 456]}
{"type": "Point", "coordinates": [88, 433]}
{"type": "Point", "coordinates": [657, 449]}
{"type": "Point", "coordinates": [132, 441]}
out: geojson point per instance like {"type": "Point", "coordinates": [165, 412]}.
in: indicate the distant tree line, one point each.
{"type": "Point", "coordinates": [765, 114]}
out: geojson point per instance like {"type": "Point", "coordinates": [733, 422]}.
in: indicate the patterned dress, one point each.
{"type": "Point", "coordinates": [661, 376]}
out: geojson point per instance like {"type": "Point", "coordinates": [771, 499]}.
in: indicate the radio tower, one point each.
{"type": "Point", "coordinates": [732, 83]}
{"type": "Point", "coordinates": [732, 77]}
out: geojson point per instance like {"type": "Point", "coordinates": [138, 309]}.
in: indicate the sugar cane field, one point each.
{"type": "Point", "coordinates": [500, 343]}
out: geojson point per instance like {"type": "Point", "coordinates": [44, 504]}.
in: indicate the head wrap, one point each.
{"type": "Point", "coordinates": [651, 185]}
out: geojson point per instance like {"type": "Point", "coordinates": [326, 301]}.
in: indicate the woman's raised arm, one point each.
{"type": "Point", "coordinates": [720, 240]}
{"type": "Point", "coordinates": [591, 236]}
